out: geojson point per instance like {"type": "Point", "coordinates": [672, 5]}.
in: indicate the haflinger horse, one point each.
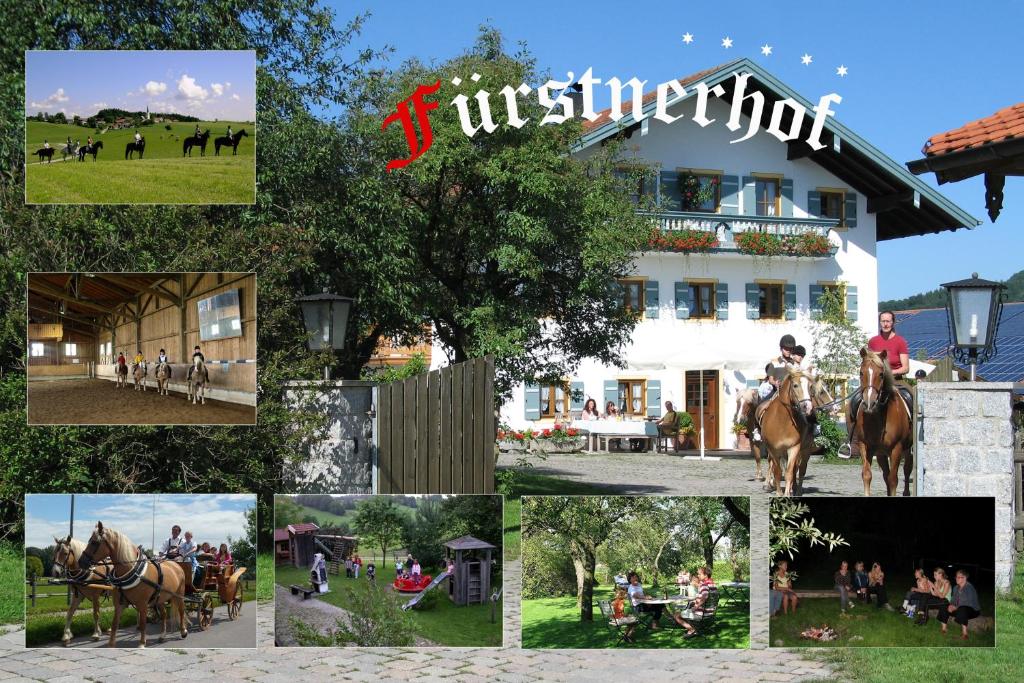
{"type": "Point", "coordinates": [198, 381]}
{"type": "Point", "coordinates": [121, 371]}
{"type": "Point", "coordinates": [85, 584]}
{"type": "Point", "coordinates": [92, 149]}
{"type": "Point", "coordinates": [138, 580]}
{"type": "Point", "coordinates": [139, 373]}
{"type": "Point", "coordinates": [882, 425]}
{"type": "Point", "coordinates": [787, 429]}
{"type": "Point", "coordinates": [746, 401]}
{"type": "Point", "coordinates": [231, 142]}
{"type": "Point", "coordinates": [133, 147]}
{"type": "Point", "coordinates": [195, 141]}
{"type": "Point", "coordinates": [45, 153]}
{"type": "Point", "coordinates": [163, 376]}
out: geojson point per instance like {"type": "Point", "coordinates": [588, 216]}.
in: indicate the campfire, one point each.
{"type": "Point", "coordinates": [825, 633]}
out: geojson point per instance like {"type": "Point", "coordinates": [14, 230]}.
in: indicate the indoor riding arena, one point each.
{"type": "Point", "coordinates": [78, 324]}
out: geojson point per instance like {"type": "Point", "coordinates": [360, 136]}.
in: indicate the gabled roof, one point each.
{"type": "Point", "coordinates": [280, 535]}
{"type": "Point", "coordinates": [903, 204]}
{"type": "Point", "coordinates": [467, 543]}
{"type": "Point", "coordinates": [304, 527]}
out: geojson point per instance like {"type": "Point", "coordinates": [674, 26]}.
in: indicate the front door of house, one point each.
{"type": "Point", "coordinates": [709, 406]}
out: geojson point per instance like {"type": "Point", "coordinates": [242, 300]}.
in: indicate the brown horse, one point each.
{"type": "Point", "coordinates": [139, 372]}
{"type": "Point", "coordinates": [882, 425]}
{"type": "Point", "coordinates": [786, 429]}
{"type": "Point", "coordinates": [163, 375]}
{"type": "Point", "coordinates": [86, 584]}
{"type": "Point", "coordinates": [229, 589]}
{"type": "Point", "coordinates": [746, 402]}
{"type": "Point", "coordinates": [121, 372]}
{"type": "Point", "coordinates": [140, 581]}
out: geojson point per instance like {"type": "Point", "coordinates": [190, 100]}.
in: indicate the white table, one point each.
{"type": "Point", "coordinates": [614, 429]}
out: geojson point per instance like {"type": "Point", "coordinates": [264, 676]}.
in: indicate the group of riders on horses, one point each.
{"type": "Point", "coordinates": [794, 357]}
{"type": "Point", "coordinates": [162, 359]}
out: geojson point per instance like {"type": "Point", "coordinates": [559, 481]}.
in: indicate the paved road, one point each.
{"type": "Point", "coordinates": [222, 633]}
{"type": "Point", "coordinates": [651, 473]}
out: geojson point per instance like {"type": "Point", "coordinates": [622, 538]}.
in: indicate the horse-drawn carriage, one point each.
{"type": "Point", "coordinates": [111, 566]}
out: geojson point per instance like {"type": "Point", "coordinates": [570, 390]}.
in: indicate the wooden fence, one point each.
{"type": "Point", "coordinates": [436, 432]}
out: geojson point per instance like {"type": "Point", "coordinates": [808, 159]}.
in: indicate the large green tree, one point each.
{"type": "Point", "coordinates": [509, 243]}
{"type": "Point", "coordinates": [379, 521]}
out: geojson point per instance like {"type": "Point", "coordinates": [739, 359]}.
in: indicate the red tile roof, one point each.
{"type": "Point", "coordinates": [1005, 124]}
{"type": "Point", "coordinates": [627, 106]}
{"type": "Point", "coordinates": [280, 535]}
{"type": "Point", "coordinates": [303, 527]}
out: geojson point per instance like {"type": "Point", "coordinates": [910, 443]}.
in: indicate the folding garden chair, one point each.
{"type": "Point", "coordinates": [704, 618]}
{"type": "Point", "coordinates": [616, 626]}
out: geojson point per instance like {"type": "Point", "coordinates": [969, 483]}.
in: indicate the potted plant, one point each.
{"type": "Point", "coordinates": [694, 194]}
{"type": "Point", "coordinates": [742, 437]}
{"type": "Point", "coordinates": [687, 431]}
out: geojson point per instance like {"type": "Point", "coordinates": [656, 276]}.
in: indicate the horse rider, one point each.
{"type": "Point", "coordinates": [46, 145]}
{"type": "Point", "coordinates": [88, 142]}
{"type": "Point", "coordinates": [69, 142]}
{"type": "Point", "coordinates": [896, 352]}
{"type": "Point", "coordinates": [777, 368]}
{"type": "Point", "coordinates": [121, 361]}
{"type": "Point", "coordinates": [231, 136]}
{"type": "Point", "coordinates": [197, 134]}
{"type": "Point", "coordinates": [137, 361]}
{"type": "Point", "coordinates": [138, 138]}
{"type": "Point", "coordinates": [196, 353]}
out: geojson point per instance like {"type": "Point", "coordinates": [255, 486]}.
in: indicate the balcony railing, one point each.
{"type": "Point", "coordinates": [726, 226]}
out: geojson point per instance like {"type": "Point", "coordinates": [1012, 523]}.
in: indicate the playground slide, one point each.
{"type": "Point", "coordinates": [433, 584]}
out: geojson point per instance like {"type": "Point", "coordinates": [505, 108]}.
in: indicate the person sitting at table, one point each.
{"type": "Point", "coordinates": [942, 591]}
{"type": "Point", "coordinates": [963, 604]}
{"type": "Point", "coordinates": [668, 425]}
{"type": "Point", "coordinates": [619, 616]}
{"type": "Point", "coordinates": [860, 582]}
{"type": "Point", "coordinates": [610, 413]}
{"type": "Point", "coordinates": [876, 587]}
{"type": "Point", "coordinates": [590, 411]}
{"type": "Point", "coordinates": [921, 589]}
{"type": "Point", "coordinates": [706, 590]}
{"type": "Point", "coordinates": [783, 583]}
{"type": "Point", "coordinates": [843, 581]}
{"type": "Point", "coordinates": [638, 600]}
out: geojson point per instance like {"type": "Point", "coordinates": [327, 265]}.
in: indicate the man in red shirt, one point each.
{"type": "Point", "coordinates": [893, 344]}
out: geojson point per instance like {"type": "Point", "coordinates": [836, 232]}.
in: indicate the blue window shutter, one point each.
{"type": "Point", "coordinates": [577, 401]}
{"type": "Point", "coordinates": [851, 210]}
{"type": "Point", "coordinates": [851, 303]}
{"type": "Point", "coordinates": [682, 300]}
{"type": "Point", "coordinates": [730, 194]}
{"type": "Point", "coordinates": [611, 393]}
{"type": "Point", "coordinates": [532, 402]}
{"type": "Point", "coordinates": [654, 398]}
{"type": "Point", "coordinates": [816, 292]}
{"type": "Point", "coordinates": [753, 301]}
{"type": "Point", "coordinates": [814, 203]}
{"type": "Point", "coordinates": [749, 205]}
{"type": "Point", "coordinates": [787, 197]}
{"type": "Point", "coordinates": [722, 301]}
{"type": "Point", "coordinates": [651, 298]}
{"type": "Point", "coordinates": [790, 301]}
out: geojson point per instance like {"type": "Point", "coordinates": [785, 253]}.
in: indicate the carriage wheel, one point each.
{"type": "Point", "coordinates": [235, 606]}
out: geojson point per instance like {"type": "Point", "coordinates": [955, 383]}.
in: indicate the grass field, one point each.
{"type": "Point", "coordinates": [512, 534]}
{"type": "Point", "coordinates": [948, 664]}
{"type": "Point", "coordinates": [161, 177]}
{"type": "Point", "coordinates": [12, 575]}
{"type": "Point", "coordinates": [444, 623]}
{"type": "Point", "coordinates": [555, 623]}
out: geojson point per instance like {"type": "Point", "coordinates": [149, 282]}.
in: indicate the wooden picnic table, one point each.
{"type": "Point", "coordinates": [616, 429]}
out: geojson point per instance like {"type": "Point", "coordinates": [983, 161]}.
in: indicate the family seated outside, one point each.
{"type": "Point", "coordinates": [697, 604]}
{"type": "Point", "coordinates": [674, 425]}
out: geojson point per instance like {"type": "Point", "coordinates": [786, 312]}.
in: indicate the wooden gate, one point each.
{"type": "Point", "coordinates": [436, 432]}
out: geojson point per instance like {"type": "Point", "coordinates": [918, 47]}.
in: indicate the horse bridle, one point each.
{"type": "Point", "coordinates": [883, 395]}
{"type": "Point", "coordinates": [133, 577]}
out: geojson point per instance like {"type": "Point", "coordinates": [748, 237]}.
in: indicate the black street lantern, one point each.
{"type": "Point", "coordinates": [973, 308]}
{"type": "Point", "coordinates": [326, 318]}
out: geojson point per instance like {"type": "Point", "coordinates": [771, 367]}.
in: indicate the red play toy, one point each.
{"type": "Point", "coordinates": [411, 585]}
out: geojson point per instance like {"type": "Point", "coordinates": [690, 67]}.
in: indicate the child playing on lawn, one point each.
{"type": "Point", "coordinates": [371, 572]}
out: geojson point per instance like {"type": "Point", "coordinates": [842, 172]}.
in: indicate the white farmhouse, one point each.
{"type": "Point", "coordinates": [715, 317]}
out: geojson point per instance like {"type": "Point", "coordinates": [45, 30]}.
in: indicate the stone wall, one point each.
{"type": "Point", "coordinates": [342, 460]}
{"type": "Point", "coordinates": [965, 448]}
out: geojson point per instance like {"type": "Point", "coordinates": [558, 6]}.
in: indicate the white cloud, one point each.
{"type": "Point", "coordinates": [58, 96]}
{"type": "Point", "coordinates": [153, 88]}
{"type": "Point", "coordinates": [99, 105]}
{"type": "Point", "coordinates": [53, 100]}
{"type": "Point", "coordinates": [227, 84]}
{"type": "Point", "coordinates": [236, 98]}
{"type": "Point", "coordinates": [190, 90]}
{"type": "Point", "coordinates": [217, 88]}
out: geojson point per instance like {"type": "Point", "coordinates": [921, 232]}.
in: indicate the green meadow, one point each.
{"type": "Point", "coordinates": [162, 176]}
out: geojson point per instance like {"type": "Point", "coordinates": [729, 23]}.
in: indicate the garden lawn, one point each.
{"type": "Point", "coordinates": [444, 623]}
{"type": "Point", "coordinates": [529, 483]}
{"type": "Point", "coordinates": [12, 576]}
{"type": "Point", "coordinates": [555, 623]}
{"type": "Point", "coordinates": [866, 626]}
{"type": "Point", "coordinates": [950, 665]}
{"type": "Point", "coordinates": [512, 534]}
{"type": "Point", "coordinates": [265, 577]}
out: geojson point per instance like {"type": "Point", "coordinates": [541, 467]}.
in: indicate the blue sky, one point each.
{"type": "Point", "coordinates": [207, 84]}
{"type": "Point", "coordinates": [914, 69]}
{"type": "Point", "coordinates": [210, 517]}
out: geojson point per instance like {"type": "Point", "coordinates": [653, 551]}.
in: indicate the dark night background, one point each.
{"type": "Point", "coordinates": [901, 534]}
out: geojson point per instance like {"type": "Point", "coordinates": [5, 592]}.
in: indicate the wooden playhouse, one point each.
{"type": "Point", "coordinates": [472, 581]}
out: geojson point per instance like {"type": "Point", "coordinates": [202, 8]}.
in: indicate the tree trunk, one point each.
{"type": "Point", "coordinates": [584, 562]}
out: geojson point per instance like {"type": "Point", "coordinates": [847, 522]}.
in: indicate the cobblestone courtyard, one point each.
{"type": "Point", "coordinates": [659, 474]}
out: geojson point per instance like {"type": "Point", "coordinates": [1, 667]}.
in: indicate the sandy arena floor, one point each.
{"type": "Point", "coordinates": [97, 401]}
